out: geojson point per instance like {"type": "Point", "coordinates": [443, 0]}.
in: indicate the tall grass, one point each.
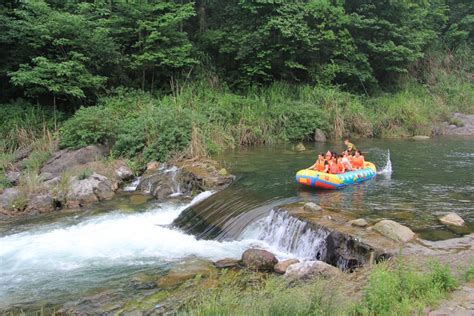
{"type": "Point", "coordinates": [24, 123]}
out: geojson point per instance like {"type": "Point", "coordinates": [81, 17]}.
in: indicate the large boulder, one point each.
{"type": "Point", "coordinates": [282, 266]}
{"type": "Point", "coordinates": [86, 191]}
{"type": "Point", "coordinates": [310, 269]}
{"type": "Point", "coordinates": [40, 203]}
{"type": "Point", "coordinates": [452, 219]}
{"type": "Point", "coordinates": [319, 136]}
{"type": "Point", "coordinates": [122, 171]}
{"type": "Point", "coordinates": [394, 230]}
{"type": "Point", "coordinates": [160, 183]}
{"type": "Point", "coordinates": [259, 260]}
{"type": "Point", "coordinates": [202, 175]}
{"type": "Point", "coordinates": [68, 159]}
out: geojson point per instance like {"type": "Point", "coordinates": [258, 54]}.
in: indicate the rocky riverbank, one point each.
{"type": "Point", "coordinates": [76, 179]}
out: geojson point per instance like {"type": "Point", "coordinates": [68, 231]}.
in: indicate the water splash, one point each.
{"type": "Point", "coordinates": [387, 170]}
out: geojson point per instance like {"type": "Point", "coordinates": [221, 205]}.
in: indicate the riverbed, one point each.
{"type": "Point", "coordinates": [59, 258]}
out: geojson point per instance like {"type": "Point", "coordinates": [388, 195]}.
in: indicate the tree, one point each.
{"type": "Point", "coordinates": [162, 47]}
{"type": "Point", "coordinates": [69, 79]}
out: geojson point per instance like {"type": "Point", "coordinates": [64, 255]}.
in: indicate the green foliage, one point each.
{"type": "Point", "coordinates": [242, 295]}
{"type": "Point", "coordinates": [84, 174]}
{"type": "Point", "coordinates": [469, 274]}
{"type": "Point", "coordinates": [92, 125]}
{"type": "Point", "coordinates": [403, 291]}
{"type": "Point", "coordinates": [23, 123]}
{"type": "Point", "coordinates": [35, 161]}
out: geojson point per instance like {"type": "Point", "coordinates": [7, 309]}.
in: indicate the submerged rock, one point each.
{"type": "Point", "coordinates": [360, 222]}
{"type": "Point", "coordinates": [186, 271]}
{"type": "Point", "coordinates": [312, 207]}
{"type": "Point", "coordinates": [282, 266]}
{"type": "Point", "coordinates": [420, 137]}
{"type": "Point", "coordinates": [394, 230]}
{"type": "Point", "coordinates": [259, 260]}
{"type": "Point", "coordinates": [452, 219]}
{"type": "Point", "coordinates": [310, 269]}
{"type": "Point", "coordinates": [90, 190]}
{"type": "Point", "coordinates": [226, 263]}
{"type": "Point", "coordinates": [300, 147]}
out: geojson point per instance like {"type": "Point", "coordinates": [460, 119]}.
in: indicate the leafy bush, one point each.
{"type": "Point", "coordinates": [84, 174]}
{"type": "Point", "coordinates": [88, 126]}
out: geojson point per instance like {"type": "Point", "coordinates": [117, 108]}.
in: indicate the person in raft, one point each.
{"type": "Point", "coordinates": [350, 146]}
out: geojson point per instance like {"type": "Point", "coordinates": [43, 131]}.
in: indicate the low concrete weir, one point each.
{"type": "Point", "coordinates": [336, 241]}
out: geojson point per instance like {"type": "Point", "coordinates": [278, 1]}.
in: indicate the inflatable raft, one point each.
{"type": "Point", "coordinates": [323, 180]}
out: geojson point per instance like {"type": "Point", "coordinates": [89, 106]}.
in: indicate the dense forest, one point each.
{"type": "Point", "coordinates": [149, 77]}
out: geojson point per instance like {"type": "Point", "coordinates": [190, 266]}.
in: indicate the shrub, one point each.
{"type": "Point", "coordinates": [469, 274]}
{"type": "Point", "coordinates": [89, 126]}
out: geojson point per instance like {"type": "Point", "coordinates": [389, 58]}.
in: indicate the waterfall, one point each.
{"type": "Point", "coordinates": [387, 170]}
{"type": "Point", "coordinates": [132, 187]}
{"type": "Point", "coordinates": [289, 235]}
{"type": "Point", "coordinates": [174, 171]}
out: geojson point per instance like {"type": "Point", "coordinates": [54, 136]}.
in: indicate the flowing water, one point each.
{"type": "Point", "coordinates": [58, 257]}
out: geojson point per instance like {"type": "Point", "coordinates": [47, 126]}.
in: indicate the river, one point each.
{"type": "Point", "coordinates": [55, 259]}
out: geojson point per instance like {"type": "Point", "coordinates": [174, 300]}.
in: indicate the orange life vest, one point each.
{"type": "Point", "coordinates": [319, 165]}
{"type": "Point", "coordinates": [358, 162]}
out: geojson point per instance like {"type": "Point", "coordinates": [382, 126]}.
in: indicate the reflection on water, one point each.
{"type": "Point", "coordinates": [428, 178]}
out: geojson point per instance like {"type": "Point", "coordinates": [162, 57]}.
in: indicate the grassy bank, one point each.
{"type": "Point", "coordinates": [390, 289]}
{"type": "Point", "coordinates": [202, 117]}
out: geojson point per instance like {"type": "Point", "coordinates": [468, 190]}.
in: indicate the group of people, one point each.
{"type": "Point", "coordinates": [350, 159]}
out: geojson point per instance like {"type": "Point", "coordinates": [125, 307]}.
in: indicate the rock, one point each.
{"type": "Point", "coordinates": [22, 153]}
{"type": "Point", "coordinates": [259, 260]}
{"type": "Point", "coordinates": [312, 207]}
{"type": "Point", "coordinates": [420, 137]}
{"type": "Point", "coordinates": [152, 166]}
{"type": "Point", "coordinates": [13, 177]}
{"type": "Point", "coordinates": [122, 171]}
{"type": "Point", "coordinates": [226, 263]}
{"type": "Point", "coordinates": [310, 269]}
{"type": "Point", "coordinates": [67, 159]}
{"type": "Point", "coordinates": [319, 136]}
{"type": "Point", "coordinates": [300, 147]}
{"type": "Point", "coordinates": [42, 203]}
{"type": "Point", "coordinates": [83, 192]}
{"type": "Point", "coordinates": [186, 271]}
{"type": "Point", "coordinates": [223, 172]}
{"type": "Point", "coordinates": [282, 266]}
{"type": "Point", "coordinates": [143, 281]}
{"type": "Point", "coordinates": [394, 230]}
{"type": "Point", "coordinates": [203, 175]}
{"type": "Point", "coordinates": [360, 222]}
{"type": "Point", "coordinates": [452, 219]}
{"type": "Point", "coordinates": [7, 198]}
{"type": "Point", "coordinates": [160, 184]}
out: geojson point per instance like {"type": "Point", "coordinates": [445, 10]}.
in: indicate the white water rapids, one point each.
{"type": "Point", "coordinates": [62, 259]}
